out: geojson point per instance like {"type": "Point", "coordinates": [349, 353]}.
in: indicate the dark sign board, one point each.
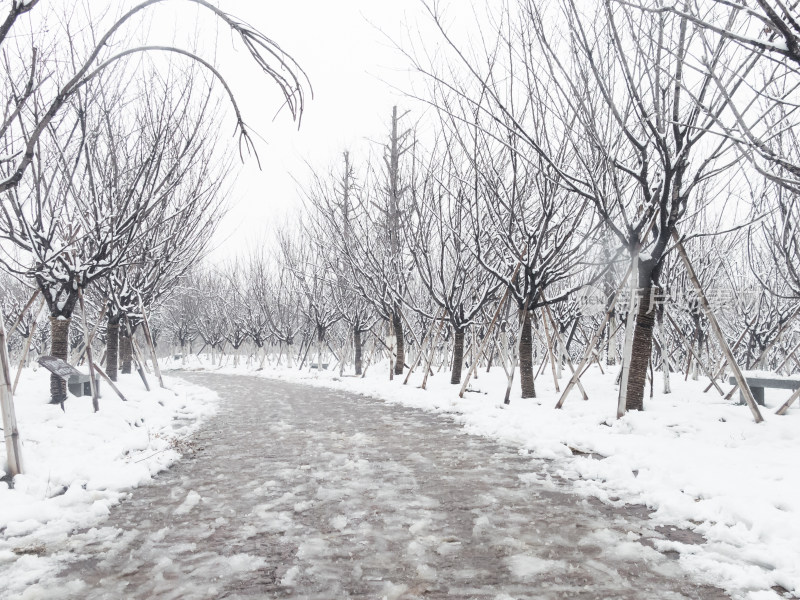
{"type": "Point", "coordinates": [58, 367]}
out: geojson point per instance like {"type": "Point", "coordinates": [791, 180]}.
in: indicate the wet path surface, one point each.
{"type": "Point", "coordinates": [299, 492]}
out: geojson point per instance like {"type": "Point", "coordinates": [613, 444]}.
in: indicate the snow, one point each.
{"type": "Point", "coordinates": [78, 463]}
{"type": "Point", "coordinates": [529, 567]}
{"type": "Point", "coordinates": [192, 500]}
{"type": "Point", "coordinates": [339, 522]}
{"type": "Point", "coordinates": [696, 461]}
{"type": "Point", "coordinates": [243, 563]}
{"type": "Point", "coordinates": [291, 575]}
{"type": "Point", "coordinates": [755, 373]}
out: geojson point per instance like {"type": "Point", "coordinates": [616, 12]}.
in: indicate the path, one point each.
{"type": "Point", "coordinates": [300, 492]}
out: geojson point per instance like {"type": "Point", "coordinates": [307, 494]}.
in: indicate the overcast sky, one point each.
{"type": "Point", "coordinates": [344, 48]}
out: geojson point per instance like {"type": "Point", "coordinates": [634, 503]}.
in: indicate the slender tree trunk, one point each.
{"type": "Point", "coordinates": [642, 345]}
{"type": "Point", "coordinates": [458, 356]}
{"type": "Point", "coordinates": [59, 347]}
{"type": "Point", "coordinates": [397, 322]}
{"type": "Point", "coordinates": [112, 348]}
{"type": "Point", "coordinates": [125, 351]}
{"type": "Point", "coordinates": [526, 357]}
{"type": "Point", "coordinates": [357, 346]}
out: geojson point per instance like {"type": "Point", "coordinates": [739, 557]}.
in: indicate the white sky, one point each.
{"type": "Point", "coordinates": [343, 47]}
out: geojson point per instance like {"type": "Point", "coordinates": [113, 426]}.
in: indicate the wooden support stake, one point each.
{"type": "Point", "coordinates": [550, 352]}
{"type": "Point", "coordinates": [688, 346]}
{"type": "Point", "coordinates": [27, 347]}
{"type": "Point", "coordinates": [432, 352]}
{"type": "Point", "coordinates": [785, 406]}
{"type": "Point", "coordinates": [421, 351]}
{"type": "Point", "coordinates": [501, 351]}
{"type": "Point", "coordinates": [564, 353]}
{"type": "Point", "coordinates": [92, 381]}
{"type": "Point", "coordinates": [712, 319]}
{"type": "Point", "coordinates": [392, 357]}
{"type": "Point", "coordinates": [20, 316]}
{"type": "Point", "coordinates": [720, 366]}
{"type": "Point", "coordinates": [789, 356]}
{"type": "Point", "coordinates": [474, 364]}
{"type": "Point", "coordinates": [10, 431]}
{"type": "Point", "coordinates": [110, 383]}
{"type": "Point", "coordinates": [370, 355]}
{"type": "Point", "coordinates": [587, 355]}
{"type": "Point", "coordinates": [514, 357]}
{"type": "Point", "coordinates": [622, 403]}
{"type": "Point", "coordinates": [138, 360]}
{"type": "Point", "coordinates": [545, 360]}
{"type": "Point", "coordinates": [149, 339]}
{"type": "Point", "coordinates": [94, 331]}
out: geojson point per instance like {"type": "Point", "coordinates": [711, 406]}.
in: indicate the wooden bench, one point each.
{"type": "Point", "coordinates": [78, 384]}
{"type": "Point", "coordinates": [758, 382]}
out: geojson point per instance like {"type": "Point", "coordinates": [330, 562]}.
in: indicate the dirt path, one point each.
{"type": "Point", "coordinates": [299, 492]}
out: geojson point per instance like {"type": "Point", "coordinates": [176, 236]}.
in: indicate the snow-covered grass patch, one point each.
{"type": "Point", "coordinates": [77, 463]}
{"type": "Point", "coordinates": [698, 461]}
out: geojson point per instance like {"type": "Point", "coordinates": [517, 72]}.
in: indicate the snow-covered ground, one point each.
{"type": "Point", "coordinates": [79, 463]}
{"type": "Point", "coordinates": [699, 462]}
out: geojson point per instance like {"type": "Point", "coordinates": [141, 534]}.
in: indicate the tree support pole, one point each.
{"type": "Point", "coordinates": [421, 351]}
{"type": "Point", "coordinates": [370, 355]}
{"type": "Point", "coordinates": [549, 342]}
{"type": "Point", "coordinates": [720, 366]}
{"type": "Point", "coordinates": [785, 406]}
{"type": "Point", "coordinates": [92, 381]}
{"type": "Point", "coordinates": [589, 353]}
{"type": "Point", "coordinates": [94, 331]}
{"type": "Point", "coordinates": [514, 359]}
{"type": "Point", "coordinates": [564, 353]}
{"type": "Point", "coordinates": [110, 383]}
{"type": "Point", "coordinates": [137, 356]}
{"type": "Point", "coordinates": [21, 315]}
{"type": "Point", "coordinates": [27, 347]}
{"type": "Point", "coordinates": [429, 362]}
{"type": "Point", "coordinates": [627, 353]}
{"type": "Point", "coordinates": [712, 319]}
{"type": "Point", "coordinates": [486, 337]}
{"type": "Point", "coordinates": [10, 431]}
{"type": "Point", "coordinates": [149, 339]}
{"type": "Point", "coordinates": [689, 348]}
{"type": "Point", "coordinates": [789, 356]}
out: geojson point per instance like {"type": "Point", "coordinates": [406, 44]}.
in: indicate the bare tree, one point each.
{"type": "Point", "coordinates": [174, 161]}
{"type": "Point", "coordinates": [330, 212]}
{"type": "Point", "coordinates": [372, 246]}
{"type": "Point", "coordinates": [33, 102]}
{"type": "Point", "coordinates": [442, 238]}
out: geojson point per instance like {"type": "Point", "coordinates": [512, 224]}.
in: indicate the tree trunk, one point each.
{"type": "Point", "coordinates": [357, 346]}
{"type": "Point", "coordinates": [59, 347]}
{"type": "Point", "coordinates": [125, 351]}
{"type": "Point", "coordinates": [642, 345]}
{"type": "Point", "coordinates": [397, 323]}
{"type": "Point", "coordinates": [526, 357]}
{"type": "Point", "coordinates": [458, 356]}
{"type": "Point", "coordinates": [112, 348]}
